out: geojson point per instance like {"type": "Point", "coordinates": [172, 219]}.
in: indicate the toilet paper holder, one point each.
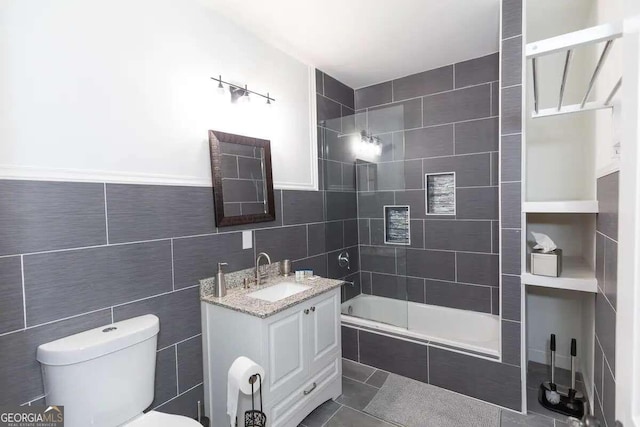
{"type": "Point", "coordinates": [255, 417]}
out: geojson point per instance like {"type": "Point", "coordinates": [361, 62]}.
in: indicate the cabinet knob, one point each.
{"type": "Point", "coordinates": [313, 309]}
{"type": "Point", "coordinates": [306, 311]}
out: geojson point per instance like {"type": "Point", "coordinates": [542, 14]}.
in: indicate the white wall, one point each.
{"type": "Point", "coordinates": [607, 125]}
{"type": "Point", "coordinates": [120, 90]}
{"type": "Point", "coordinates": [560, 150]}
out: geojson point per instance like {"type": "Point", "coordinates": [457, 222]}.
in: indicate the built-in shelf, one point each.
{"type": "Point", "coordinates": [576, 275]}
{"type": "Point", "coordinates": [564, 206]}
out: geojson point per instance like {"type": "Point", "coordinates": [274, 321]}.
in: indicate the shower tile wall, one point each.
{"type": "Point", "coordinates": [498, 382]}
{"type": "Point", "coordinates": [606, 299]}
{"type": "Point", "coordinates": [74, 256]}
{"type": "Point", "coordinates": [337, 174]}
{"type": "Point", "coordinates": [442, 120]}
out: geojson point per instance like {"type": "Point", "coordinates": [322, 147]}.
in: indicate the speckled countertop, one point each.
{"type": "Point", "coordinates": [237, 299]}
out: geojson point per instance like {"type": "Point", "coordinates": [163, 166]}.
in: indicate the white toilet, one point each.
{"type": "Point", "coordinates": [105, 377]}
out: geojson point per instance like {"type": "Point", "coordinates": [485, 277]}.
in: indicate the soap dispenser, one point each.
{"type": "Point", "coordinates": [220, 289]}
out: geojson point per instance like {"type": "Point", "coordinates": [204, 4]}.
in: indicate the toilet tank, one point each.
{"type": "Point", "coordinates": [104, 376]}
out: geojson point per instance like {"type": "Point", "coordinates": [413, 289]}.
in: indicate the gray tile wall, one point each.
{"type": "Point", "coordinates": [472, 148]}
{"type": "Point", "coordinates": [337, 176]}
{"type": "Point", "coordinates": [436, 121]}
{"type": "Point", "coordinates": [74, 256]}
{"type": "Point", "coordinates": [67, 267]}
{"type": "Point", "coordinates": [510, 181]}
{"type": "Point", "coordinates": [606, 298]}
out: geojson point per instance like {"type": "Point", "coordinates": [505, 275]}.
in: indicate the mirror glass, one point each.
{"type": "Point", "coordinates": [242, 179]}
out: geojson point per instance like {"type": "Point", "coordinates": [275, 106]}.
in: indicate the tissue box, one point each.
{"type": "Point", "coordinates": [549, 264]}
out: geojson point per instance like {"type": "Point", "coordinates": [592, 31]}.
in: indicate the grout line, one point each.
{"type": "Point", "coordinates": [511, 86]}
{"type": "Point", "coordinates": [63, 318]}
{"type": "Point", "coordinates": [333, 415]}
{"type": "Point", "coordinates": [24, 295]}
{"type": "Point", "coordinates": [511, 37]}
{"type": "Point", "coordinates": [434, 280]}
{"type": "Point", "coordinates": [173, 270]}
{"type": "Point", "coordinates": [399, 101]}
{"type": "Point", "coordinates": [491, 98]}
{"type": "Point", "coordinates": [453, 75]}
{"type": "Point", "coordinates": [177, 375]}
{"type": "Point", "coordinates": [455, 266]}
{"type": "Point", "coordinates": [181, 394]}
{"type": "Point", "coordinates": [511, 134]}
{"type": "Point", "coordinates": [369, 377]}
{"type": "Point", "coordinates": [392, 92]}
{"type": "Point", "coordinates": [491, 237]}
{"type": "Point", "coordinates": [428, 370]}
{"type": "Point", "coordinates": [106, 216]}
{"type": "Point", "coordinates": [102, 309]}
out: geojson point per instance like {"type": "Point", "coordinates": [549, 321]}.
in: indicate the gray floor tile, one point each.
{"type": "Point", "coordinates": [321, 414]}
{"type": "Point", "coordinates": [378, 378]}
{"type": "Point", "coordinates": [351, 418]}
{"type": "Point", "coordinates": [513, 419]}
{"type": "Point", "coordinates": [356, 394]}
{"type": "Point", "coordinates": [356, 371]}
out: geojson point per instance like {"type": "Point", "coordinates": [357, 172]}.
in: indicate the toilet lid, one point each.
{"type": "Point", "coordinates": [160, 419]}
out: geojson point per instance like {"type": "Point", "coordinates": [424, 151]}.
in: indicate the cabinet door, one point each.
{"type": "Point", "coordinates": [286, 348]}
{"type": "Point", "coordinates": [324, 327]}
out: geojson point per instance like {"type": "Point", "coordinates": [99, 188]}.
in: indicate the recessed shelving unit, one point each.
{"type": "Point", "coordinates": [564, 206]}
{"type": "Point", "coordinates": [577, 275]}
{"type": "Point", "coordinates": [559, 178]}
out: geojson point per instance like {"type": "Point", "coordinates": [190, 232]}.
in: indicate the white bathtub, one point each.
{"type": "Point", "coordinates": [462, 329]}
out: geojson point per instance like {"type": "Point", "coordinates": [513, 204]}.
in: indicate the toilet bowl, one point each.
{"type": "Point", "coordinates": [105, 377]}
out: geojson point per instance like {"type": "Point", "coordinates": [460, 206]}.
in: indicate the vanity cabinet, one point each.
{"type": "Point", "coordinates": [299, 348]}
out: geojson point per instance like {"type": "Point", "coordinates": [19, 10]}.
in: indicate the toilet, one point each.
{"type": "Point", "coordinates": [104, 377]}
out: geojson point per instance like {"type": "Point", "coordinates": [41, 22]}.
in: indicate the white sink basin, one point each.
{"type": "Point", "coordinates": [280, 291]}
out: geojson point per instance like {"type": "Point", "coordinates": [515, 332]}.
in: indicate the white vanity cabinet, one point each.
{"type": "Point", "coordinates": [299, 348]}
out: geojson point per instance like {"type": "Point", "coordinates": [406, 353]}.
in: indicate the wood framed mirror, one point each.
{"type": "Point", "coordinates": [242, 179]}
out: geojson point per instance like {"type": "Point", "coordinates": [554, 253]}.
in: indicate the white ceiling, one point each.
{"type": "Point", "coordinates": [362, 42]}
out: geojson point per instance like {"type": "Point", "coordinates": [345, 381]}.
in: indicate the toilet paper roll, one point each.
{"type": "Point", "coordinates": [238, 381]}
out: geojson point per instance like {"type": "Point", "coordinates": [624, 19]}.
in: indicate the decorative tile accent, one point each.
{"type": "Point", "coordinates": [441, 193]}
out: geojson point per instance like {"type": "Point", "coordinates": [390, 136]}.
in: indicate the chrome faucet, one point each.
{"type": "Point", "coordinates": [258, 274]}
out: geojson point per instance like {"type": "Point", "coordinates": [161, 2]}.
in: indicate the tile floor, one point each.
{"type": "Point", "coordinates": [360, 383]}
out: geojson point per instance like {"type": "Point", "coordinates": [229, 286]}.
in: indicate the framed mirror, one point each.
{"type": "Point", "coordinates": [242, 179]}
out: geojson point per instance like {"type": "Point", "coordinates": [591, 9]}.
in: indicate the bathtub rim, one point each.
{"type": "Point", "coordinates": [420, 338]}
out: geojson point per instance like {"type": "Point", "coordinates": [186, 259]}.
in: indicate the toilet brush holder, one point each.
{"type": "Point", "coordinates": [563, 400]}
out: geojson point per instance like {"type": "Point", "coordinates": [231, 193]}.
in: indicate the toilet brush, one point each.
{"type": "Point", "coordinates": [552, 394]}
{"type": "Point", "coordinates": [548, 395]}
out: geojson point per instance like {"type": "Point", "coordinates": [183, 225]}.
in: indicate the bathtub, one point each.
{"type": "Point", "coordinates": [452, 328]}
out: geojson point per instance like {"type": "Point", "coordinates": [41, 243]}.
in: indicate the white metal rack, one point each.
{"type": "Point", "coordinates": [568, 43]}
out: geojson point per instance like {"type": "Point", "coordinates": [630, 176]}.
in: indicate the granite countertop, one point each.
{"type": "Point", "coordinates": [237, 299]}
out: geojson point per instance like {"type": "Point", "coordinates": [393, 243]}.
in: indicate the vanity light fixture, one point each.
{"type": "Point", "coordinates": [369, 144]}
{"type": "Point", "coordinates": [239, 93]}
